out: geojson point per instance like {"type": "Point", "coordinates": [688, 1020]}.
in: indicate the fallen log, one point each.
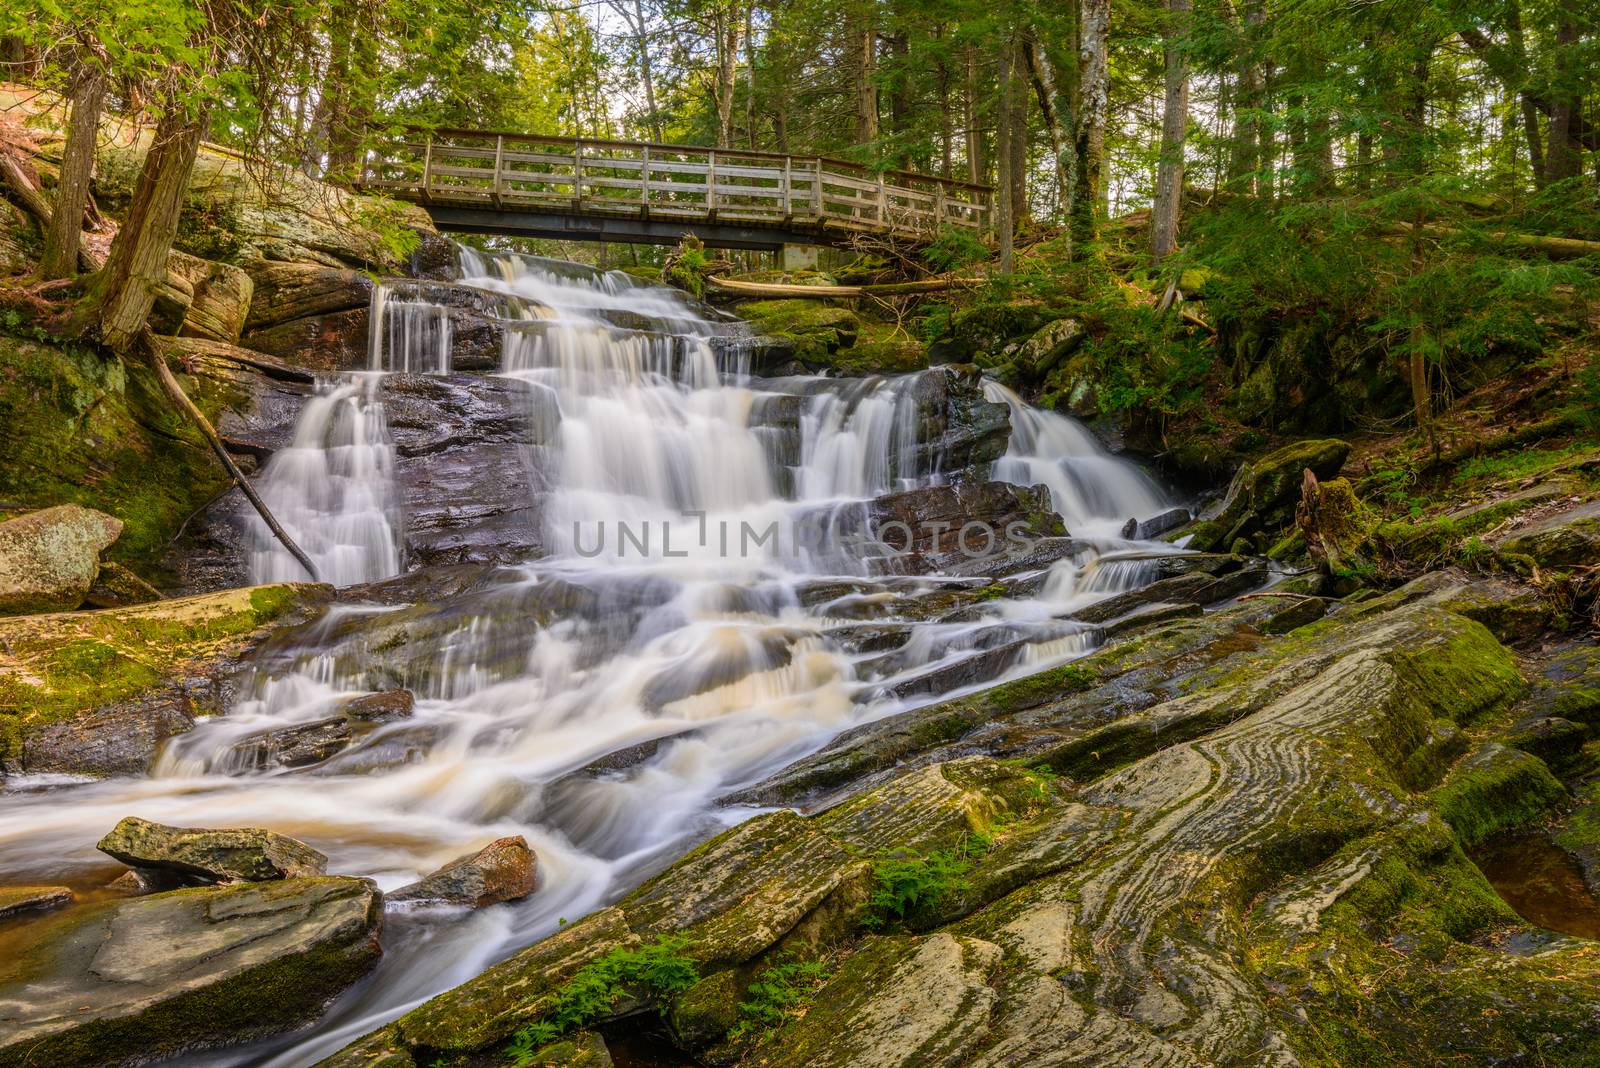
{"type": "Point", "coordinates": [780, 291]}
{"type": "Point", "coordinates": [174, 390]}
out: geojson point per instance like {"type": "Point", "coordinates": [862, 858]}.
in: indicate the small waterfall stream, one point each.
{"type": "Point", "coordinates": [720, 660]}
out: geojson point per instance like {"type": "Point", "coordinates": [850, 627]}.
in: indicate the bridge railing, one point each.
{"type": "Point", "coordinates": [630, 178]}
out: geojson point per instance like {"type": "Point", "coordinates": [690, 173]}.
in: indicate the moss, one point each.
{"type": "Point", "coordinates": [1495, 790]}
{"type": "Point", "coordinates": [66, 663]}
{"type": "Point", "coordinates": [887, 356]}
{"type": "Point", "coordinates": [82, 428]}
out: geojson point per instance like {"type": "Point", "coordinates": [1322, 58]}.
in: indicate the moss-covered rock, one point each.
{"type": "Point", "coordinates": [83, 428]}
{"type": "Point", "coordinates": [815, 328]}
{"type": "Point", "coordinates": [122, 982]}
{"type": "Point", "coordinates": [95, 692]}
{"type": "Point", "coordinates": [49, 558]}
{"type": "Point", "coordinates": [1263, 494]}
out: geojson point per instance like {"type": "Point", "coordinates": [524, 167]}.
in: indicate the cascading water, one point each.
{"type": "Point", "coordinates": [654, 625]}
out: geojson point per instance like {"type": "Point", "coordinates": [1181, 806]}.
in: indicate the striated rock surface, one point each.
{"type": "Point", "coordinates": [49, 558]}
{"type": "Point", "coordinates": [503, 870]}
{"type": "Point", "coordinates": [1211, 847]}
{"type": "Point", "coordinates": [127, 981]}
{"type": "Point", "coordinates": [188, 854]}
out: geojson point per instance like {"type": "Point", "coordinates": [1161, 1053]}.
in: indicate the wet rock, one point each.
{"type": "Point", "coordinates": [935, 528]}
{"type": "Point", "coordinates": [330, 341]}
{"type": "Point", "coordinates": [807, 331]}
{"type": "Point", "coordinates": [49, 558]}
{"type": "Point", "coordinates": [1567, 539]}
{"type": "Point", "coordinates": [436, 258]}
{"type": "Point", "coordinates": [1136, 529]}
{"type": "Point", "coordinates": [1299, 612]}
{"type": "Point", "coordinates": [1263, 493]}
{"type": "Point", "coordinates": [127, 981]}
{"type": "Point", "coordinates": [190, 854]}
{"type": "Point", "coordinates": [116, 586]}
{"type": "Point", "coordinates": [96, 692]}
{"type": "Point", "coordinates": [23, 900]}
{"type": "Point", "coordinates": [299, 746]}
{"type": "Point", "coordinates": [384, 707]}
{"type": "Point", "coordinates": [504, 870]}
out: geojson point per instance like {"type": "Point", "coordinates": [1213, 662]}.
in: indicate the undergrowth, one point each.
{"type": "Point", "coordinates": [779, 992]}
{"type": "Point", "coordinates": [660, 969]}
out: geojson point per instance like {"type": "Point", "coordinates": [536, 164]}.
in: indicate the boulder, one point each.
{"type": "Point", "coordinates": [950, 528]}
{"type": "Point", "coordinates": [117, 586]}
{"type": "Point", "coordinates": [49, 558]}
{"type": "Point", "coordinates": [1137, 529]}
{"type": "Point", "coordinates": [17, 900]}
{"type": "Point", "coordinates": [299, 746]}
{"type": "Point", "coordinates": [809, 331]}
{"type": "Point", "coordinates": [198, 854]}
{"type": "Point", "coordinates": [1045, 350]}
{"type": "Point", "coordinates": [331, 341]}
{"type": "Point", "coordinates": [503, 870]}
{"type": "Point", "coordinates": [382, 707]}
{"type": "Point", "coordinates": [119, 740]}
{"type": "Point", "coordinates": [132, 980]}
{"type": "Point", "coordinates": [1263, 494]}
{"type": "Point", "coordinates": [221, 301]}
{"type": "Point", "coordinates": [1570, 538]}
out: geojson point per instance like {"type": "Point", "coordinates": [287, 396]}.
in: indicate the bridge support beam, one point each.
{"type": "Point", "coordinates": [798, 257]}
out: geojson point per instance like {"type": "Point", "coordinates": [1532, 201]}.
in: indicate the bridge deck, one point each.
{"type": "Point", "coordinates": [634, 191]}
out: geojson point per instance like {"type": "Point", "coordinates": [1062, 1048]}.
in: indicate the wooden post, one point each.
{"type": "Point", "coordinates": [427, 169]}
{"type": "Point", "coordinates": [499, 162]}
{"type": "Point", "coordinates": [711, 185]}
{"type": "Point", "coordinates": [577, 174]}
{"type": "Point", "coordinates": [788, 186]}
{"type": "Point", "coordinates": [644, 184]}
{"type": "Point", "coordinates": [938, 207]}
{"type": "Point", "coordinates": [883, 202]}
{"type": "Point", "coordinates": [816, 188]}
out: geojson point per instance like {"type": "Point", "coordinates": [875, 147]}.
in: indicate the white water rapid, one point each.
{"type": "Point", "coordinates": [717, 660]}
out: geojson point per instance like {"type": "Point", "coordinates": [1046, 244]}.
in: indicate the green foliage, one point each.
{"type": "Point", "coordinates": [1586, 395]}
{"type": "Point", "coordinates": [954, 249]}
{"type": "Point", "coordinates": [779, 991]}
{"type": "Point", "coordinates": [660, 969]}
{"type": "Point", "coordinates": [906, 886]}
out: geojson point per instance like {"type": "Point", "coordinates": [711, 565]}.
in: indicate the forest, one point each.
{"type": "Point", "coordinates": [857, 533]}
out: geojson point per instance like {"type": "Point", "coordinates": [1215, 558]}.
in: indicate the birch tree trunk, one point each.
{"type": "Point", "coordinates": [64, 235]}
{"type": "Point", "coordinates": [1174, 128]}
{"type": "Point", "coordinates": [1042, 71]}
{"type": "Point", "coordinates": [646, 73]}
{"type": "Point", "coordinates": [1089, 138]}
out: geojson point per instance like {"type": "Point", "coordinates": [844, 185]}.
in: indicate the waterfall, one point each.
{"type": "Point", "coordinates": [600, 698]}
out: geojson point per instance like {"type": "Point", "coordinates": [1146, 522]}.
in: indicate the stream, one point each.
{"type": "Point", "coordinates": [711, 603]}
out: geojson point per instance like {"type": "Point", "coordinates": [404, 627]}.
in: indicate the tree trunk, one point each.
{"type": "Point", "coordinates": [62, 239]}
{"type": "Point", "coordinates": [865, 45]}
{"type": "Point", "coordinates": [1015, 100]}
{"type": "Point", "coordinates": [1244, 156]}
{"type": "Point", "coordinates": [977, 168]}
{"type": "Point", "coordinates": [750, 77]}
{"type": "Point", "coordinates": [1174, 128]}
{"type": "Point", "coordinates": [646, 74]}
{"type": "Point", "coordinates": [137, 266]}
{"type": "Point", "coordinates": [1042, 71]}
{"type": "Point", "coordinates": [1005, 219]}
{"type": "Point", "coordinates": [1089, 138]}
{"type": "Point", "coordinates": [726, 27]}
{"type": "Point", "coordinates": [946, 122]}
{"type": "Point", "coordinates": [1562, 158]}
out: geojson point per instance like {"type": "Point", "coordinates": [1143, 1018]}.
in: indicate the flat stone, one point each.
{"type": "Point", "coordinates": [144, 978]}
{"type": "Point", "coordinates": [17, 900]}
{"type": "Point", "coordinates": [196, 853]}
{"type": "Point", "coordinates": [1570, 538]}
{"type": "Point", "coordinates": [503, 870]}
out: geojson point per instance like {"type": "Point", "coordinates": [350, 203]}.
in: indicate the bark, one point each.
{"type": "Point", "coordinates": [865, 45]}
{"type": "Point", "coordinates": [1089, 137]}
{"type": "Point", "coordinates": [780, 291]}
{"type": "Point", "coordinates": [1562, 158]}
{"type": "Point", "coordinates": [1174, 128]}
{"type": "Point", "coordinates": [1511, 68]}
{"type": "Point", "coordinates": [63, 238]}
{"type": "Point", "coordinates": [646, 73]}
{"type": "Point", "coordinates": [946, 123]}
{"type": "Point", "coordinates": [977, 169]}
{"type": "Point", "coordinates": [1244, 155]}
{"type": "Point", "coordinates": [750, 77]}
{"type": "Point", "coordinates": [137, 266]}
{"type": "Point", "coordinates": [1042, 72]}
{"type": "Point", "coordinates": [725, 26]}
{"type": "Point", "coordinates": [1005, 217]}
{"type": "Point", "coordinates": [1015, 101]}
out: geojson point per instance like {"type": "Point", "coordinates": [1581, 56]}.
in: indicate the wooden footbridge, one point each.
{"type": "Point", "coordinates": [632, 191]}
